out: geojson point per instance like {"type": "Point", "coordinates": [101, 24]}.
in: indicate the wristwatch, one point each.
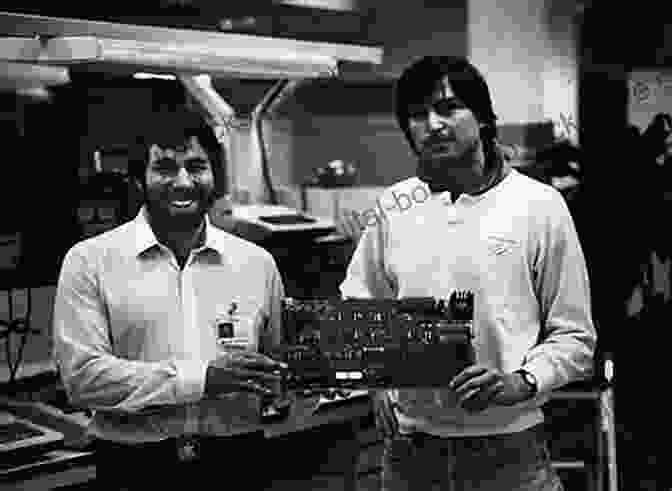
{"type": "Point", "coordinates": [530, 380]}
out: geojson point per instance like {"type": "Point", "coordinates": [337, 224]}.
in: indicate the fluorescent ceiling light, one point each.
{"type": "Point", "coordinates": [19, 48]}
{"type": "Point", "coordinates": [35, 25]}
{"type": "Point", "coordinates": [345, 5]}
{"type": "Point", "coordinates": [188, 51]}
{"type": "Point", "coordinates": [160, 76]}
{"type": "Point", "coordinates": [238, 61]}
{"type": "Point", "coordinates": [25, 75]}
{"type": "Point", "coordinates": [38, 93]}
{"type": "Point", "coordinates": [17, 75]}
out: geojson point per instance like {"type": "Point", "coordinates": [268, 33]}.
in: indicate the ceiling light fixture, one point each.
{"type": "Point", "coordinates": [149, 76]}
{"type": "Point", "coordinates": [19, 48]}
{"type": "Point", "coordinates": [343, 5]}
{"type": "Point", "coordinates": [17, 75]}
{"type": "Point", "coordinates": [238, 61]}
{"type": "Point", "coordinates": [26, 75]}
{"type": "Point", "coordinates": [35, 93]}
{"type": "Point", "coordinates": [189, 51]}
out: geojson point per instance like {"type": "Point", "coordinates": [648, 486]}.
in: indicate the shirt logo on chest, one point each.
{"type": "Point", "coordinates": [498, 245]}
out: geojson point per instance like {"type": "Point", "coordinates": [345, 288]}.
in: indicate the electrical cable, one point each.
{"type": "Point", "coordinates": [271, 100]}
{"type": "Point", "coordinates": [21, 327]}
{"type": "Point", "coordinates": [257, 118]}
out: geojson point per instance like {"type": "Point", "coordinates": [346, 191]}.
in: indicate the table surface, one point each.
{"type": "Point", "coordinates": [304, 415]}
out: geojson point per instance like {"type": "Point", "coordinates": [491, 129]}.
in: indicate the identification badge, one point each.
{"type": "Point", "coordinates": [236, 327]}
{"type": "Point", "coordinates": [188, 449]}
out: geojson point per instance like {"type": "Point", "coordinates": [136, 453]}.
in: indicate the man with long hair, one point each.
{"type": "Point", "coordinates": [469, 222]}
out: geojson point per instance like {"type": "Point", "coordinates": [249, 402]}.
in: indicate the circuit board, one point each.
{"type": "Point", "coordinates": [376, 343]}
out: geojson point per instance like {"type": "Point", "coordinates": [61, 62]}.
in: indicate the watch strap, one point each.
{"type": "Point", "coordinates": [530, 380]}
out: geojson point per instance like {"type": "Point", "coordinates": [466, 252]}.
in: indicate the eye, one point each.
{"type": "Point", "coordinates": [447, 107]}
{"type": "Point", "coordinates": [417, 113]}
{"type": "Point", "coordinates": [198, 165]}
{"type": "Point", "coordinates": [165, 166]}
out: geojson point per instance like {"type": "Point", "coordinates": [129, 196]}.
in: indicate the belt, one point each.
{"type": "Point", "coordinates": [531, 432]}
{"type": "Point", "coordinates": [184, 448]}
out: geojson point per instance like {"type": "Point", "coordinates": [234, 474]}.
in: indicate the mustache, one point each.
{"type": "Point", "coordinates": [432, 160]}
{"type": "Point", "coordinates": [184, 197]}
{"type": "Point", "coordinates": [437, 140]}
{"type": "Point", "coordinates": [201, 195]}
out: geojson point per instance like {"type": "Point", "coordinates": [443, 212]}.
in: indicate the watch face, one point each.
{"type": "Point", "coordinates": [529, 379]}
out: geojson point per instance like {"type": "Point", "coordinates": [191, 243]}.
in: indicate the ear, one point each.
{"type": "Point", "coordinates": [488, 131]}
{"type": "Point", "coordinates": [136, 183]}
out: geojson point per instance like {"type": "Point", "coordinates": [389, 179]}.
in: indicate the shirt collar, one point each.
{"type": "Point", "coordinates": [146, 239]}
{"type": "Point", "coordinates": [466, 198]}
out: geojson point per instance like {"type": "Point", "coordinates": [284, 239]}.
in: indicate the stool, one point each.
{"type": "Point", "coordinates": [601, 393]}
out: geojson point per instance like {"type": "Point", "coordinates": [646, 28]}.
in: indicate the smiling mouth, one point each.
{"type": "Point", "coordinates": [182, 203]}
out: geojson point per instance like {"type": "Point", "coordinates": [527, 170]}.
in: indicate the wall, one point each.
{"type": "Point", "coordinates": [373, 143]}
{"type": "Point", "coordinates": [408, 30]}
{"type": "Point", "coordinates": [244, 155]}
{"type": "Point", "coordinates": [527, 51]}
{"type": "Point", "coordinates": [321, 122]}
{"type": "Point", "coordinates": [650, 93]}
{"type": "Point", "coordinates": [561, 66]}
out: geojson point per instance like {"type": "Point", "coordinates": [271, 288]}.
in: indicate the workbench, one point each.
{"type": "Point", "coordinates": [70, 468]}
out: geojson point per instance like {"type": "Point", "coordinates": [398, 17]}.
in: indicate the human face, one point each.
{"type": "Point", "coordinates": [180, 184]}
{"type": "Point", "coordinates": [445, 132]}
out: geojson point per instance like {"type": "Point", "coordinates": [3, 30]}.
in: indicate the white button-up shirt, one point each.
{"type": "Point", "coordinates": [134, 333]}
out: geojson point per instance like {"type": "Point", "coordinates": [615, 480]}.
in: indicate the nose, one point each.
{"type": "Point", "coordinates": [435, 122]}
{"type": "Point", "coordinates": [182, 178]}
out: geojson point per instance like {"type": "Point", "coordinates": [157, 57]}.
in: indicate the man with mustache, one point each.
{"type": "Point", "coordinates": [141, 312]}
{"type": "Point", "coordinates": [510, 240]}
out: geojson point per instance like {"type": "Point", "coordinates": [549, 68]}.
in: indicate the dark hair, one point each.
{"type": "Point", "coordinates": [172, 127]}
{"type": "Point", "coordinates": [654, 136]}
{"type": "Point", "coordinates": [418, 81]}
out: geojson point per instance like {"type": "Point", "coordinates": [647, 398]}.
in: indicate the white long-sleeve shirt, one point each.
{"type": "Point", "coordinates": [133, 333]}
{"type": "Point", "coordinates": [515, 247]}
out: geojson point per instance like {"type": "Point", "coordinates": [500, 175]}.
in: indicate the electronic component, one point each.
{"type": "Point", "coordinates": [20, 437]}
{"type": "Point", "coordinates": [376, 343]}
